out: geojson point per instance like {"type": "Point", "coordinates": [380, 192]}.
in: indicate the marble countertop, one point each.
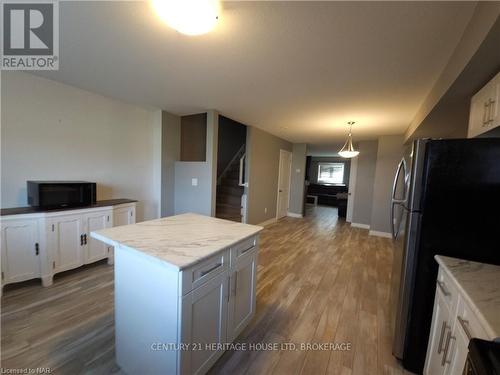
{"type": "Point", "coordinates": [180, 240]}
{"type": "Point", "coordinates": [479, 283]}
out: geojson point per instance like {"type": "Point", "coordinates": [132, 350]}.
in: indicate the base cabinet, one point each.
{"type": "Point", "coordinates": [20, 251]}
{"type": "Point", "coordinates": [42, 244]}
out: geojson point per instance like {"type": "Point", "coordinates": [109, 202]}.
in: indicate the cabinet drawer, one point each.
{"type": "Point", "coordinates": [448, 289]}
{"type": "Point", "coordinates": [468, 322]}
{"type": "Point", "coordinates": [200, 273]}
{"type": "Point", "coordinates": [242, 248]}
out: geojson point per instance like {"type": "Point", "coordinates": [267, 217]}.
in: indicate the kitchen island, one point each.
{"type": "Point", "coordinates": [184, 289]}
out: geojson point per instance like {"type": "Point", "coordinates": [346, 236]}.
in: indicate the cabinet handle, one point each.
{"type": "Point", "coordinates": [244, 251]}
{"type": "Point", "coordinates": [203, 273]}
{"type": "Point", "coordinates": [490, 110]}
{"type": "Point", "coordinates": [85, 239]}
{"type": "Point", "coordinates": [442, 286]}
{"type": "Point", "coordinates": [235, 283]}
{"type": "Point", "coordinates": [441, 338]}
{"type": "Point", "coordinates": [444, 361]}
{"type": "Point", "coordinates": [485, 113]}
{"type": "Point", "coordinates": [465, 326]}
{"type": "Point", "coordinates": [37, 249]}
{"type": "Point", "coordinates": [81, 239]}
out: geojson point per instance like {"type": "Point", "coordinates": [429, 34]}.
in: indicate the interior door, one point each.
{"type": "Point", "coordinates": [285, 167]}
{"type": "Point", "coordinates": [351, 189]}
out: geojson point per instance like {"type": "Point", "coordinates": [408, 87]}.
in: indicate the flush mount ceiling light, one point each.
{"type": "Point", "coordinates": [348, 150]}
{"type": "Point", "coordinates": [190, 17]}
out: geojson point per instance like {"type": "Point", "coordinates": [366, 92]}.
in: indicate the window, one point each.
{"type": "Point", "coordinates": [331, 173]}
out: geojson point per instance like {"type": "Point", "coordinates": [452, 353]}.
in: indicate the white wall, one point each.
{"type": "Point", "coordinates": [54, 131]}
{"type": "Point", "coordinates": [389, 154]}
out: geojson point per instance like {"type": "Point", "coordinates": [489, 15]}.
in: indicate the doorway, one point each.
{"type": "Point", "coordinates": [284, 174]}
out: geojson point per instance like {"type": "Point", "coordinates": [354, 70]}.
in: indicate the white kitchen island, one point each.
{"type": "Point", "coordinates": [184, 287]}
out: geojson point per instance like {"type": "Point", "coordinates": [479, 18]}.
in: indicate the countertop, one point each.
{"type": "Point", "coordinates": [181, 240]}
{"type": "Point", "coordinates": [35, 210]}
{"type": "Point", "coordinates": [480, 285]}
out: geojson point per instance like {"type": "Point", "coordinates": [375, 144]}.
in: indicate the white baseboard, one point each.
{"type": "Point", "coordinates": [380, 234]}
{"type": "Point", "coordinates": [292, 214]}
{"type": "Point", "coordinates": [268, 222]}
{"type": "Point", "coordinates": [359, 225]}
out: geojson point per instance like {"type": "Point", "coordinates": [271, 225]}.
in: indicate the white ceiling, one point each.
{"type": "Point", "coordinates": [299, 70]}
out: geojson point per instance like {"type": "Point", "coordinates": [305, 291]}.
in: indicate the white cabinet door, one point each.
{"type": "Point", "coordinates": [95, 249]}
{"type": "Point", "coordinates": [66, 242]}
{"type": "Point", "coordinates": [124, 215]}
{"type": "Point", "coordinates": [20, 249]}
{"type": "Point", "coordinates": [485, 109]}
{"type": "Point", "coordinates": [204, 322]}
{"type": "Point", "coordinates": [457, 351]}
{"type": "Point", "coordinates": [241, 307]}
{"type": "Point", "coordinates": [439, 335]}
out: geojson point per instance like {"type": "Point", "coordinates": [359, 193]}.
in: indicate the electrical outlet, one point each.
{"type": "Point", "coordinates": [194, 182]}
{"type": "Point", "coordinates": [265, 210]}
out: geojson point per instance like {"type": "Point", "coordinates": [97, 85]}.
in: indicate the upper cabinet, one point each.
{"type": "Point", "coordinates": [484, 112]}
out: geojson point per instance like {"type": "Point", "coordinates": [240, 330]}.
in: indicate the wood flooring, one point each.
{"type": "Point", "coordinates": [319, 281]}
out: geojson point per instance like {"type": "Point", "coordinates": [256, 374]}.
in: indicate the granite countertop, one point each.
{"type": "Point", "coordinates": [479, 283]}
{"type": "Point", "coordinates": [181, 240]}
{"type": "Point", "coordinates": [35, 210]}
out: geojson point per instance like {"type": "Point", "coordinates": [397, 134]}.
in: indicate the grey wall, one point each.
{"type": "Point", "coordinates": [170, 147]}
{"type": "Point", "coordinates": [389, 153]}
{"type": "Point", "coordinates": [297, 184]}
{"type": "Point", "coordinates": [263, 153]}
{"type": "Point", "coordinates": [365, 178]}
{"type": "Point", "coordinates": [313, 171]}
{"type": "Point", "coordinates": [55, 131]}
{"type": "Point", "coordinates": [201, 198]}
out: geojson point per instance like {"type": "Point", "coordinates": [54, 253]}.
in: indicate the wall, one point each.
{"type": "Point", "coordinates": [55, 131]}
{"type": "Point", "coordinates": [297, 185]}
{"type": "Point", "coordinates": [389, 154]}
{"type": "Point", "coordinates": [263, 150]}
{"type": "Point", "coordinates": [194, 137]}
{"type": "Point", "coordinates": [365, 178]}
{"type": "Point", "coordinates": [232, 135]}
{"type": "Point", "coordinates": [170, 154]}
{"type": "Point", "coordinates": [201, 198]}
{"type": "Point", "coordinates": [313, 167]}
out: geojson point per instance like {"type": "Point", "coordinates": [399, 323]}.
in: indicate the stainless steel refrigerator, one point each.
{"type": "Point", "coordinates": [445, 200]}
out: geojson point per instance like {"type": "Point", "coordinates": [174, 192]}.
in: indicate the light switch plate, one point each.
{"type": "Point", "coordinates": [194, 182]}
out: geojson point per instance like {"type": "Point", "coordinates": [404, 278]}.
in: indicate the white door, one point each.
{"type": "Point", "coordinates": [95, 249]}
{"type": "Point", "coordinates": [67, 242]}
{"type": "Point", "coordinates": [241, 306]}
{"type": "Point", "coordinates": [440, 330]}
{"type": "Point", "coordinates": [285, 167]}
{"type": "Point", "coordinates": [124, 216]}
{"type": "Point", "coordinates": [352, 187]}
{"type": "Point", "coordinates": [204, 323]}
{"type": "Point", "coordinates": [20, 250]}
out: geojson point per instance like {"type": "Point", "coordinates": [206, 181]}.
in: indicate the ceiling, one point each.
{"type": "Point", "coordinates": [299, 70]}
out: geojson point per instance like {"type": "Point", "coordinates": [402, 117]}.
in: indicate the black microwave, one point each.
{"type": "Point", "coordinates": [61, 194]}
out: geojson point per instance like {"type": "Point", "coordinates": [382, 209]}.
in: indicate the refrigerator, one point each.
{"type": "Point", "coordinates": [446, 201]}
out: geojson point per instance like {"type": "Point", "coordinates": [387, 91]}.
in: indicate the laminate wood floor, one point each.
{"type": "Point", "coordinates": [319, 281]}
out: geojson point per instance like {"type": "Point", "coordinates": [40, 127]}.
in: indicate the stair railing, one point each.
{"type": "Point", "coordinates": [239, 154]}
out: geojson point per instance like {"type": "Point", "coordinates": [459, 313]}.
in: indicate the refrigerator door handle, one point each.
{"type": "Point", "coordinates": [401, 168]}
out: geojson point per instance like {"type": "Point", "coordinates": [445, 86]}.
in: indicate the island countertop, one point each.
{"type": "Point", "coordinates": [480, 285]}
{"type": "Point", "coordinates": [181, 240]}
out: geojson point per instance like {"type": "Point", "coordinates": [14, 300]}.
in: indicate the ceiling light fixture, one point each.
{"type": "Point", "coordinates": [190, 17]}
{"type": "Point", "coordinates": [348, 150]}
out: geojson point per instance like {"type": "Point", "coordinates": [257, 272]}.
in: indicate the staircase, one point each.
{"type": "Point", "coordinates": [228, 202]}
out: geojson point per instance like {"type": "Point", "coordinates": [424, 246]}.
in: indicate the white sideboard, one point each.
{"type": "Point", "coordinates": [41, 244]}
{"type": "Point", "coordinates": [485, 109]}
{"type": "Point", "coordinates": [466, 305]}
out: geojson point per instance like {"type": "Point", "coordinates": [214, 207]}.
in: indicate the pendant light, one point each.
{"type": "Point", "coordinates": [348, 150]}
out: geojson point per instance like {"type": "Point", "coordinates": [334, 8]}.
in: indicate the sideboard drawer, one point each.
{"type": "Point", "coordinates": [200, 273]}
{"type": "Point", "coordinates": [241, 248]}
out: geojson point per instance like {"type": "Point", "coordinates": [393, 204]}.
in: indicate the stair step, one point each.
{"type": "Point", "coordinates": [228, 208]}
{"type": "Point", "coordinates": [230, 199]}
{"type": "Point", "coordinates": [229, 217]}
{"type": "Point", "coordinates": [231, 190]}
